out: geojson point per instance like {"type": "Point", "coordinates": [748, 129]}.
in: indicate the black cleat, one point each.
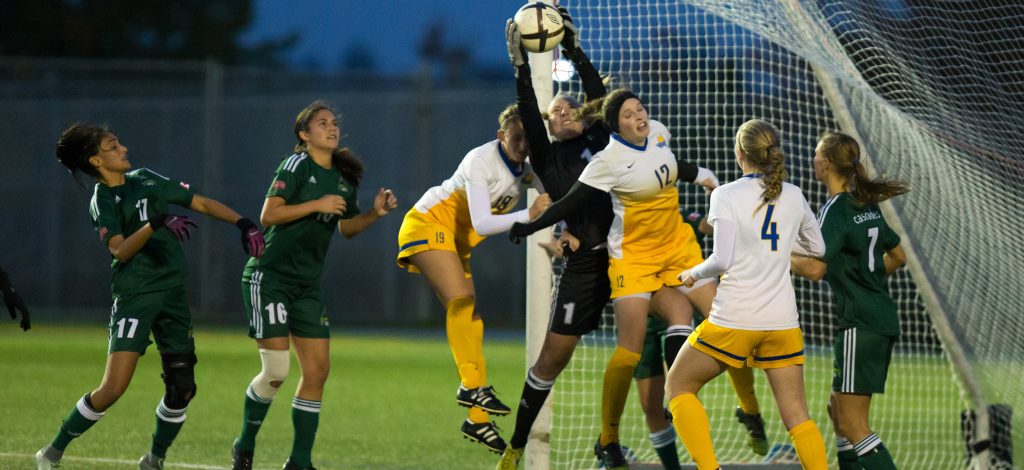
{"type": "Point", "coordinates": [484, 433]}
{"type": "Point", "coordinates": [610, 456]}
{"type": "Point", "coordinates": [483, 398]}
{"type": "Point", "coordinates": [241, 459]}
{"type": "Point", "coordinates": [756, 437]}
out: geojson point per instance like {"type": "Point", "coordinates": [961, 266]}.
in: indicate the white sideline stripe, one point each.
{"type": "Point", "coordinates": [120, 461]}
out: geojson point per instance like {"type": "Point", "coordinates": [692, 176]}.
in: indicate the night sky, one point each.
{"type": "Point", "coordinates": [392, 29]}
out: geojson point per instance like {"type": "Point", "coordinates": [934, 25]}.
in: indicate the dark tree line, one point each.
{"type": "Point", "coordinates": [152, 29]}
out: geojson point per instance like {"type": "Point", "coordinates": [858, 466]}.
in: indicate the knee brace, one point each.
{"type": "Point", "coordinates": [179, 379]}
{"type": "Point", "coordinates": [275, 369]}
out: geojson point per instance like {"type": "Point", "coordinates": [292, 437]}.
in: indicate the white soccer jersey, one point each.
{"type": "Point", "coordinates": [756, 292]}
{"type": "Point", "coordinates": [485, 166]}
{"type": "Point", "coordinates": [642, 183]}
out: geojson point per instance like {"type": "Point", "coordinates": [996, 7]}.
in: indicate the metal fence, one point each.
{"type": "Point", "coordinates": [224, 130]}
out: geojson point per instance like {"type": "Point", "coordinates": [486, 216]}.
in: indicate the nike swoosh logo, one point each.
{"type": "Point", "coordinates": [631, 165]}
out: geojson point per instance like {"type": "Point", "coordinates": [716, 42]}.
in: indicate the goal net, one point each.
{"type": "Point", "coordinates": [935, 91]}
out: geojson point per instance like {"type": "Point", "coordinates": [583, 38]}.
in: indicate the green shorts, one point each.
{"type": "Point", "coordinates": [277, 309]}
{"type": "Point", "coordinates": [861, 363]}
{"type": "Point", "coordinates": [163, 312]}
{"type": "Point", "coordinates": [651, 356]}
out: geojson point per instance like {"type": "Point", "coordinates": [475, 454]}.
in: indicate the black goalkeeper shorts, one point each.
{"type": "Point", "coordinates": [581, 293]}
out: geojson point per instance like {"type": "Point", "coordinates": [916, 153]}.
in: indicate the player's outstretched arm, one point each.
{"type": "Point", "coordinates": [252, 237]}
{"type": "Point", "coordinates": [593, 85]}
{"type": "Point", "coordinates": [577, 196]}
{"type": "Point", "coordinates": [383, 203]}
{"type": "Point", "coordinates": [809, 268]}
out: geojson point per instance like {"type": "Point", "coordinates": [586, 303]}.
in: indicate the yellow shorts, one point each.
{"type": "Point", "coordinates": [637, 275]}
{"type": "Point", "coordinates": [422, 232]}
{"type": "Point", "coordinates": [767, 349]}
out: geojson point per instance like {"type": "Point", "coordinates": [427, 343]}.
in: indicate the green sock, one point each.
{"type": "Point", "coordinates": [81, 418]}
{"type": "Point", "coordinates": [305, 419]}
{"type": "Point", "coordinates": [847, 456]}
{"type": "Point", "coordinates": [872, 454]}
{"type": "Point", "coordinates": [168, 424]}
{"type": "Point", "coordinates": [254, 411]}
{"type": "Point", "coordinates": [664, 443]}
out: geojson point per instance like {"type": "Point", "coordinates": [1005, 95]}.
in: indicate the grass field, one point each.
{"type": "Point", "coordinates": [389, 403]}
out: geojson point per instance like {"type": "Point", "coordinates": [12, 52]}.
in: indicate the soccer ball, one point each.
{"type": "Point", "coordinates": [540, 26]}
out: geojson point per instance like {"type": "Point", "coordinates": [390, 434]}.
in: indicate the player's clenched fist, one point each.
{"type": "Point", "coordinates": [331, 204]}
{"type": "Point", "coordinates": [539, 205]}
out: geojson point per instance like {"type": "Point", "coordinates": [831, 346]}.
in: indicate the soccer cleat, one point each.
{"type": "Point", "coordinates": [610, 456]}
{"type": "Point", "coordinates": [510, 458]}
{"type": "Point", "coordinates": [756, 438]}
{"type": "Point", "coordinates": [483, 398]}
{"type": "Point", "coordinates": [241, 459]}
{"type": "Point", "coordinates": [484, 433]}
{"type": "Point", "coordinates": [151, 462]}
{"type": "Point", "coordinates": [289, 465]}
{"type": "Point", "coordinates": [43, 463]}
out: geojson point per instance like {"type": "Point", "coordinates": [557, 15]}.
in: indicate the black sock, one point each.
{"type": "Point", "coordinates": [675, 338]}
{"type": "Point", "coordinates": [535, 392]}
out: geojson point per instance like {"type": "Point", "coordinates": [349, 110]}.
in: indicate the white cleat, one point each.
{"type": "Point", "coordinates": [43, 463]}
{"type": "Point", "coordinates": [151, 462]}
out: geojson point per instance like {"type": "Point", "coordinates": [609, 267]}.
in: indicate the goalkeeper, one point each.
{"type": "Point", "coordinates": [860, 250]}
{"type": "Point", "coordinates": [129, 211]}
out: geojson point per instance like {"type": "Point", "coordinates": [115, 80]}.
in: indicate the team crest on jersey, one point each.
{"type": "Point", "coordinates": [694, 216]}
{"type": "Point", "coordinates": [103, 234]}
{"type": "Point", "coordinates": [661, 142]}
{"type": "Point", "coordinates": [184, 185]}
{"type": "Point", "coordinates": [528, 178]}
{"type": "Point", "coordinates": [279, 185]}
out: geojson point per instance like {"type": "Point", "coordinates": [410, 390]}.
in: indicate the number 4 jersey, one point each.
{"type": "Point", "coordinates": [856, 239]}
{"type": "Point", "coordinates": [122, 210]}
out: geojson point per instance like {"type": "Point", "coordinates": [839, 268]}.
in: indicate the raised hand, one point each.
{"type": "Point", "coordinates": [514, 42]}
{"type": "Point", "coordinates": [179, 225]}
{"type": "Point", "coordinates": [253, 243]}
{"type": "Point", "coordinates": [384, 202]}
{"type": "Point", "coordinates": [539, 205]}
{"type": "Point", "coordinates": [571, 36]}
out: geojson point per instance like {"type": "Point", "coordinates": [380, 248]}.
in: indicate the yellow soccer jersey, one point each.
{"type": "Point", "coordinates": [485, 166]}
{"type": "Point", "coordinates": [756, 291]}
{"type": "Point", "coordinates": [642, 183]}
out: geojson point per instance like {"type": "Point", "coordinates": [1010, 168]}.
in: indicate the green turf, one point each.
{"type": "Point", "coordinates": [389, 402]}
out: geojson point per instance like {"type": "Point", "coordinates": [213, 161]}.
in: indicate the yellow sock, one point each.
{"type": "Point", "coordinates": [742, 380]}
{"type": "Point", "coordinates": [691, 422]}
{"type": "Point", "coordinates": [618, 376]}
{"type": "Point", "coordinates": [810, 447]}
{"type": "Point", "coordinates": [478, 416]}
{"type": "Point", "coordinates": [477, 329]}
{"type": "Point", "coordinates": [459, 325]}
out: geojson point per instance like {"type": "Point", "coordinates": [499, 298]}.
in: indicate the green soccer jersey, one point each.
{"type": "Point", "coordinates": [295, 250]}
{"type": "Point", "coordinates": [122, 210]}
{"type": "Point", "coordinates": [856, 239]}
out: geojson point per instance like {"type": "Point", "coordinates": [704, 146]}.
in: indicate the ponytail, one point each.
{"type": "Point", "coordinates": [77, 144]}
{"type": "Point", "coordinates": [759, 142]}
{"type": "Point", "coordinates": [843, 153]}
